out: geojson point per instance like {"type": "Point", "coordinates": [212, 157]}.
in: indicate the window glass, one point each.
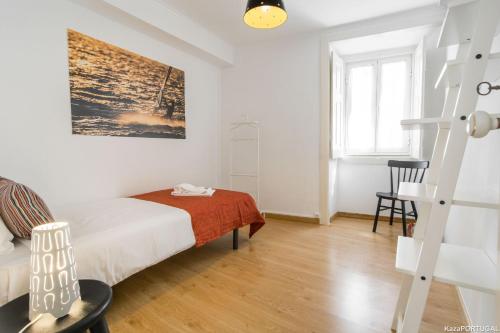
{"type": "Point", "coordinates": [361, 112]}
{"type": "Point", "coordinates": [393, 106]}
{"type": "Point", "coordinates": [378, 96]}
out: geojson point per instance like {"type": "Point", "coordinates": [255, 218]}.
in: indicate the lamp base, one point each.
{"type": "Point", "coordinates": [63, 311]}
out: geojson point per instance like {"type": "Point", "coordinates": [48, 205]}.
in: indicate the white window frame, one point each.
{"type": "Point", "coordinates": [337, 103]}
{"type": "Point", "coordinates": [378, 58]}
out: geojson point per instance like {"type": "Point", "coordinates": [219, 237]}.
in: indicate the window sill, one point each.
{"type": "Point", "coordinates": [374, 159]}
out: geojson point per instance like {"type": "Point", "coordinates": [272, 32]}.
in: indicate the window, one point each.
{"type": "Point", "coordinates": [378, 96]}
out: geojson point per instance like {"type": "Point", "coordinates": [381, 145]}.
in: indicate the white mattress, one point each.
{"type": "Point", "coordinates": [112, 240]}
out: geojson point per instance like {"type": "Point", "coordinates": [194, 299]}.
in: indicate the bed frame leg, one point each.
{"type": "Point", "coordinates": [235, 239]}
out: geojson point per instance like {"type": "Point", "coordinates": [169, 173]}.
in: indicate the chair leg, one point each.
{"type": "Point", "coordinates": [376, 215]}
{"type": "Point", "coordinates": [403, 216]}
{"type": "Point", "coordinates": [414, 207]}
{"type": "Point", "coordinates": [392, 212]}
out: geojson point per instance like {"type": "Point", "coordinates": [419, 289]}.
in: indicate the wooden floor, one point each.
{"type": "Point", "coordinates": [291, 277]}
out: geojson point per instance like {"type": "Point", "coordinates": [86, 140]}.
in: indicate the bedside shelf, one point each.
{"type": "Point", "coordinates": [459, 265]}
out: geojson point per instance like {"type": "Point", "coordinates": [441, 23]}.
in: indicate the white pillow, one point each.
{"type": "Point", "coordinates": [6, 237]}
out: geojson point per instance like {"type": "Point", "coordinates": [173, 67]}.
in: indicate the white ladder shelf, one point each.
{"type": "Point", "coordinates": [459, 265]}
{"type": "Point", "coordinates": [423, 122]}
{"type": "Point", "coordinates": [472, 25]}
{"type": "Point", "coordinates": [427, 193]}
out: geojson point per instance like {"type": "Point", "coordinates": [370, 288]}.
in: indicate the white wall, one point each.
{"type": "Point", "coordinates": [333, 187]}
{"type": "Point", "coordinates": [360, 178]}
{"type": "Point", "coordinates": [160, 16]}
{"type": "Point", "coordinates": [277, 83]}
{"type": "Point", "coordinates": [358, 181]}
{"type": "Point", "coordinates": [38, 148]}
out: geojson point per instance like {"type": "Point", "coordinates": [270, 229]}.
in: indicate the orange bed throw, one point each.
{"type": "Point", "coordinates": [213, 216]}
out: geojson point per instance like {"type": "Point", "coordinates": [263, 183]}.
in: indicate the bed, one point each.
{"type": "Point", "coordinates": [212, 217]}
{"type": "Point", "coordinates": [113, 239]}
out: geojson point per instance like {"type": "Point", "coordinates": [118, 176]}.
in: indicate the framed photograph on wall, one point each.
{"type": "Point", "coordinates": [115, 92]}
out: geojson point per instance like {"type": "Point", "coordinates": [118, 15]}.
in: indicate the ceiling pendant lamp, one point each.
{"type": "Point", "coordinates": [265, 14]}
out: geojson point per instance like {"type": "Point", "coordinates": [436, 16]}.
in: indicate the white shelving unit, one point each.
{"type": "Point", "coordinates": [450, 74]}
{"type": "Point", "coordinates": [424, 122]}
{"type": "Point", "coordinates": [495, 57]}
{"type": "Point", "coordinates": [417, 192]}
{"type": "Point", "coordinates": [470, 24]}
{"type": "Point", "coordinates": [459, 265]}
{"type": "Point", "coordinates": [457, 27]}
{"type": "Point", "coordinates": [427, 193]}
{"type": "Point", "coordinates": [476, 204]}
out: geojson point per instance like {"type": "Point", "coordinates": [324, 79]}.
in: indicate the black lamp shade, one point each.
{"type": "Point", "coordinates": [265, 14]}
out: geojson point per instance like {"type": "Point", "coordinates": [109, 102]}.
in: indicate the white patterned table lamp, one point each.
{"type": "Point", "coordinates": [53, 281]}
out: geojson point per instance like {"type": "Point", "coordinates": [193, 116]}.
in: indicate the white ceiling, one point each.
{"type": "Point", "coordinates": [225, 17]}
{"type": "Point", "coordinates": [384, 41]}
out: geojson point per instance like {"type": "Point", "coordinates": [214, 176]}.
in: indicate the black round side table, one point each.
{"type": "Point", "coordinates": [96, 298]}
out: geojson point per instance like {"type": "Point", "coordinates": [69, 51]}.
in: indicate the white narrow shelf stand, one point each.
{"type": "Point", "coordinates": [249, 138]}
{"type": "Point", "coordinates": [471, 24]}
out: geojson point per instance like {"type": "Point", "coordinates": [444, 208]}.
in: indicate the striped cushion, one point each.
{"type": "Point", "coordinates": [4, 181]}
{"type": "Point", "coordinates": [22, 209]}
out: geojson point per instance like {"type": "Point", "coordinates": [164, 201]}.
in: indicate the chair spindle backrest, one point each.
{"type": "Point", "coordinates": [407, 171]}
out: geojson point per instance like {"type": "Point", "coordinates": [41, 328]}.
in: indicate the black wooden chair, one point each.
{"type": "Point", "coordinates": [407, 171]}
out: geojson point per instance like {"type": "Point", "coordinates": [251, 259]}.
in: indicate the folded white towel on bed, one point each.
{"type": "Point", "coordinates": [189, 190]}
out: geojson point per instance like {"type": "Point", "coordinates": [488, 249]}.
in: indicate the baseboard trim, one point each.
{"type": "Point", "coordinates": [463, 306]}
{"type": "Point", "coordinates": [293, 218]}
{"type": "Point", "coordinates": [315, 220]}
{"type": "Point", "coordinates": [334, 216]}
{"type": "Point", "coordinates": [368, 217]}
